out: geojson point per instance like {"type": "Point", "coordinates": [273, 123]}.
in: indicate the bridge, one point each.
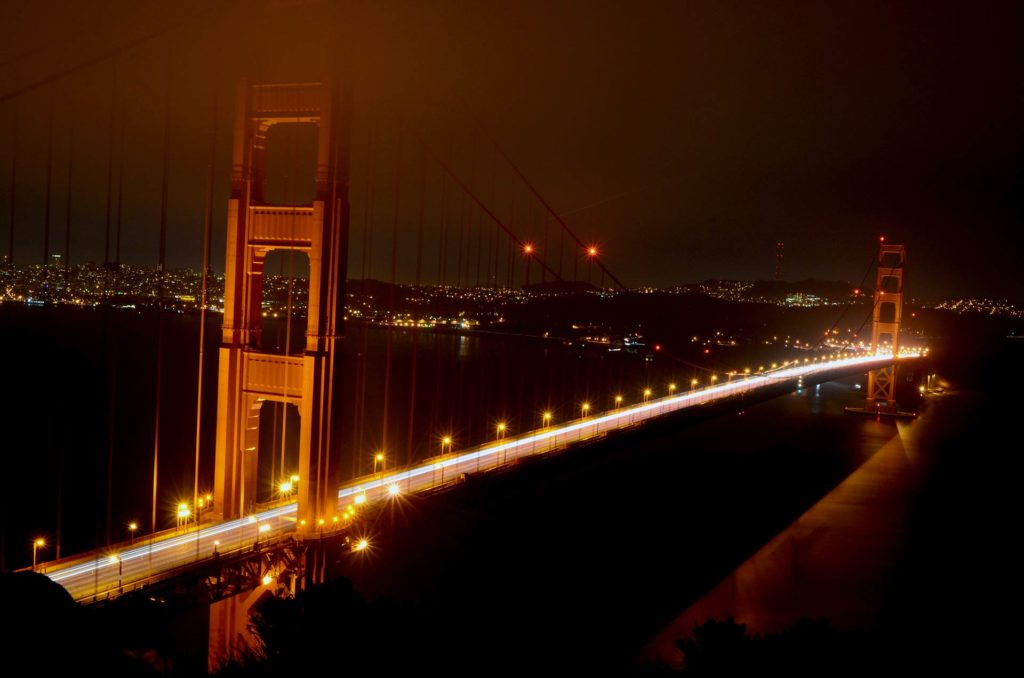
{"type": "Point", "coordinates": [231, 540]}
{"type": "Point", "coordinates": [127, 567]}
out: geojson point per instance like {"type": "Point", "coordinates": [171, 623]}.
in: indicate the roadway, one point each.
{"type": "Point", "coordinates": [93, 576]}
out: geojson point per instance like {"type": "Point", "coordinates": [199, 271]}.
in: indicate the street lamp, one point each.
{"type": "Point", "coordinates": [693, 384]}
{"type": "Point", "coordinates": [647, 394]}
{"type": "Point", "coordinates": [501, 430]}
{"type": "Point", "coordinates": [671, 388]}
{"type": "Point", "coordinates": [618, 401]}
{"type": "Point", "coordinates": [445, 441]}
{"type": "Point", "coordinates": [378, 459]}
{"type": "Point", "coordinates": [546, 419]}
{"type": "Point", "coordinates": [37, 544]}
{"type": "Point", "coordinates": [585, 408]}
{"type": "Point", "coordinates": [132, 527]}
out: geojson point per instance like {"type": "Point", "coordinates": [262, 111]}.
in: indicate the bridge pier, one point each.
{"type": "Point", "coordinates": [230, 637]}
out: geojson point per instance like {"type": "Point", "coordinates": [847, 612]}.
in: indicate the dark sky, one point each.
{"type": "Point", "coordinates": [684, 138]}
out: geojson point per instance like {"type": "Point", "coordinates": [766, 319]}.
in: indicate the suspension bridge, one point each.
{"type": "Point", "coordinates": [318, 197]}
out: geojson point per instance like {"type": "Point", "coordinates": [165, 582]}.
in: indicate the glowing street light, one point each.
{"type": "Point", "coordinates": [671, 388]}
{"type": "Point", "coordinates": [378, 459]}
{"type": "Point", "coordinates": [501, 430]}
{"type": "Point", "coordinates": [184, 513]}
{"type": "Point", "coordinates": [132, 528]}
{"type": "Point", "coordinates": [693, 384]}
{"type": "Point", "coordinates": [546, 419]}
{"type": "Point", "coordinates": [584, 408]}
{"type": "Point", "coordinates": [361, 545]}
{"type": "Point", "coordinates": [285, 488]}
{"type": "Point", "coordinates": [528, 249]}
{"type": "Point", "coordinates": [394, 490]}
{"type": "Point", "coordinates": [714, 378]}
{"type": "Point", "coordinates": [647, 394]}
{"type": "Point", "coordinates": [446, 442]}
{"type": "Point", "coordinates": [592, 251]}
{"type": "Point", "coordinates": [37, 544]}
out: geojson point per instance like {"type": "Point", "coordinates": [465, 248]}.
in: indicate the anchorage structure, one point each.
{"type": "Point", "coordinates": [248, 376]}
{"type": "Point", "coordinates": [885, 326]}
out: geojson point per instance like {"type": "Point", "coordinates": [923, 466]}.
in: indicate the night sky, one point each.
{"type": "Point", "coordinates": [684, 138]}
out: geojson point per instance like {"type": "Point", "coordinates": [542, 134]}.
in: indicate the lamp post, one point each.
{"type": "Point", "coordinates": [445, 442]}
{"type": "Point", "coordinates": [132, 528]}
{"type": "Point", "coordinates": [36, 545]}
{"type": "Point", "coordinates": [378, 459]}
{"type": "Point", "coordinates": [545, 420]}
{"type": "Point", "coordinates": [618, 401]}
{"type": "Point", "coordinates": [501, 428]}
{"type": "Point", "coordinates": [647, 394]}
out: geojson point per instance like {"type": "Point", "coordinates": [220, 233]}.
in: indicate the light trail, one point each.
{"type": "Point", "coordinates": [97, 575]}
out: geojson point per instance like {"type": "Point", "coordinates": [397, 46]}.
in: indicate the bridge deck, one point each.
{"type": "Point", "coordinates": [100, 575]}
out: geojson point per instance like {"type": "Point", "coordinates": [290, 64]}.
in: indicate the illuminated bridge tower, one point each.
{"type": "Point", "coordinates": [247, 375]}
{"type": "Point", "coordinates": [885, 326]}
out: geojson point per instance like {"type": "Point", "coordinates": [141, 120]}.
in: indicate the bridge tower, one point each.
{"type": "Point", "coordinates": [885, 325]}
{"type": "Point", "coordinates": [248, 376]}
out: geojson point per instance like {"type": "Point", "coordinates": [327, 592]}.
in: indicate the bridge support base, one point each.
{"type": "Point", "coordinates": [230, 637]}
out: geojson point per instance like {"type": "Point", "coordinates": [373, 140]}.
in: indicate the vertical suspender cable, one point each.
{"type": "Point", "coordinates": [416, 316]}
{"type": "Point", "coordinates": [67, 206]}
{"type": "Point", "coordinates": [161, 276]}
{"type": "Point", "coordinates": [46, 207]}
{"type": "Point", "coordinates": [14, 182]}
{"type": "Point", "coordinates": [207, 221]}
{"type": "Point", "coordinates": [391, 295]}
{"type": "Point", "coordinates": [66, 292]}
{"type": "Point", "coordinates": [111, 348]}
{"type": "Point", "coordinates": [358, 427]}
